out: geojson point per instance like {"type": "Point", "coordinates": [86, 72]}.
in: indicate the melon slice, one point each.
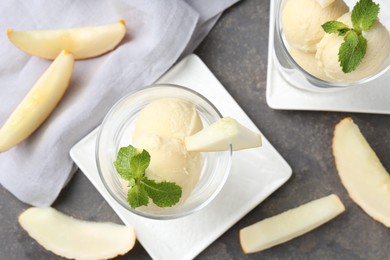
{"type": "Point", "coordinates": [361, 172]}
{"type": "Point", "coordinates": [289, 224]}
{"type": "Point", "coordinates": [83, 42]}
{"type": "Point", "coordinates": [38, 103]}
{"type": "Point", "coordinates": [325, 3]}
{"type": "Point", "coordinates": [76, 239]}
{"type": "Point", "coordinates": [220, 135]}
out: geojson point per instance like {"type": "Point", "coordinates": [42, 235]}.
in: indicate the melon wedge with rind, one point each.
{"type": "Point", "coordinates": [83, 42]}
{"type": "Point", "coordinates": [74, 238]}
{"type": "Point", "coordinates": [221, 134]}
{"type": "Point", "coordinates": [39, 102]}
{"type": "Point", "coordinates": [361, 172]}
{"type": "Point", "coordinates": [290, 224]}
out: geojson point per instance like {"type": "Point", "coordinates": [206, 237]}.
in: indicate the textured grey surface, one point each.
{"type": "Point", "coordinates": [236, 51]}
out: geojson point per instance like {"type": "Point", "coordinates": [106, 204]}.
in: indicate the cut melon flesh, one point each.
{"type": "Point", "coordinates": [289, 224]}
{"type": "Point", "coordinates": [361, 172]}
{"type": "Point", "coordinates": [38, 103]}
{"type": "Point", "coordinates": [76, 239]}
{"type": "Point", "coordinates": [83, 42]}
{"type": "Point", "coordinates": [325, 3]}
{"type": "Point", "coordinates": [220, 135]}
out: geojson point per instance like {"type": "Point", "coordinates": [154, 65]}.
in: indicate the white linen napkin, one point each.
{"type": "Point", "coordinates": [158, 33]}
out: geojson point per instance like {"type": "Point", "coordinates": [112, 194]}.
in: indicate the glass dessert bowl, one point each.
{"type": "Point", "coordinates": [307, 57]}
{"type": "Point", "coordinates": [121, 129]}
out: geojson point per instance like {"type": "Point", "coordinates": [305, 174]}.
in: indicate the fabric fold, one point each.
{"type": "Point", "coordinates": [158, 32]}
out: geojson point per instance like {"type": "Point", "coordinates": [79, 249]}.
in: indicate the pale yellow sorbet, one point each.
{"type": "Point", "coordinates": [302, 20]}
{"type": "Point", "coordinates": [307, 61]}
{"type": "Point", "coordinates": [160, 129]}
{"type": "Point", "coordinates": [378, 49]}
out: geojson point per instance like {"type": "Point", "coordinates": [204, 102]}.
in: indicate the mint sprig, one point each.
{"type": "Point", "coordinates": [131, 166]}
{"type": "Point", "coordinates": [354, 48]}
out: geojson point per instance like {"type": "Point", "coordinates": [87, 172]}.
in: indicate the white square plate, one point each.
{"type": "Point", "coordinates": [255, 174]}
{"type": "Point", "coordinates": [372, 98]}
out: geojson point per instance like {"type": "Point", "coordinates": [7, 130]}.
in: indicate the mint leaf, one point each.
{"type": "Point", "coordinates": [122, 162]}
{"type": "Point", "coordinates": [131, 166]}
{"type": "Point", "coordinates": [163, 194]}
{"type": "Point", "coordinates": [364, 15]}
{"type": "Point", "coordinates": [352, 51]}
{"type": "Point", "coordinates": [139, 163]}
{"type": "Point", "coordinates": [137, 196]}
{"type": "Point", "coordinates": [131, 183]}
{"type": "Point", "coordinates": [335, 27]}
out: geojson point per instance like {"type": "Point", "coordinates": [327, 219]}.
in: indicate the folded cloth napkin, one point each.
{"type": "Point", "coordinates": [158, 33]}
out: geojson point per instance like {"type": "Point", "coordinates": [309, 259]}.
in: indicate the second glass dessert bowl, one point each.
{"type": "Point", "coordinates": [297, 73]}
{"type": "Point", "coordinates": [116, 132]}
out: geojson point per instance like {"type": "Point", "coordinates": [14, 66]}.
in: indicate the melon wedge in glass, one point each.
{"type": "Point", "coordinates": [325, 3]}
{"type": "Point", "coordinates": [220, 135]}
{"type": "Point", "coordinates": [76, 239]}
{"type": "Point", "coordinates": [83, 42]}
{"type": "Point", "coordinates": [289, 224]}
{"type": "Point", "coordinates": [361, 172]}
{"type": "Point", "coordinates": [39, 102]}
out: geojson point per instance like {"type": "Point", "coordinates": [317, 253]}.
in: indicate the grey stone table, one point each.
{"type": "Point", "coordinates": [236, 51]}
